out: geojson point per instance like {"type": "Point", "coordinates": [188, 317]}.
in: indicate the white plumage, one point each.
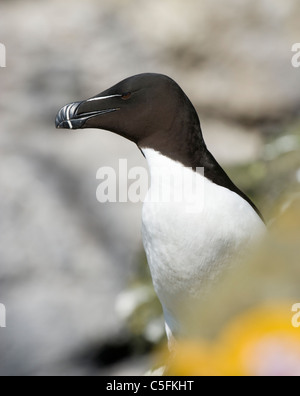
{"type": "Point", "coordinates": [188, 245]}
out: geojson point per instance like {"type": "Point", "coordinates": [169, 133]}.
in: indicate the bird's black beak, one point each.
{"type": "Point", "coordinates": [78, 114]}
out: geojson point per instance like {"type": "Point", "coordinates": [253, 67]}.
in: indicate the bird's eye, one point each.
{"type": "Point", "coordinates": [126, 96]}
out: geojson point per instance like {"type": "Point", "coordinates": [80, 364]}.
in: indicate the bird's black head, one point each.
{"type": "Point", "coordinates": [152, 111]}
{"type": "Point", "coordinates": [143, 108]}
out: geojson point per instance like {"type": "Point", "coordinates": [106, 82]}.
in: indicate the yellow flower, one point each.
{"type": "Point", "coordinates": [260, 342]}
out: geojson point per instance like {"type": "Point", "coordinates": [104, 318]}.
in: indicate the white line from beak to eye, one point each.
{"type": "Point", "coordinates": [103, 97]}
{"type": "Point", "coordinates": [68, 117]}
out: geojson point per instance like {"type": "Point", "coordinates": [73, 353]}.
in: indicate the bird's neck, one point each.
{"type": "Point", "coordinates": [185, 146]}
{"type": "Point", "coordinates": [182, 142]}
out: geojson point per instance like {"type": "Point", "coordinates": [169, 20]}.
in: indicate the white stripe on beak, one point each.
{"type": "Point", "coordinates": [68, 117]}
{"type": "Point", "coordinates": [103, 97]}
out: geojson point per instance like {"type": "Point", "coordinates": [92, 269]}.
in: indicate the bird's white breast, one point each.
{"type": "Point", "coordinates": [187, 242]}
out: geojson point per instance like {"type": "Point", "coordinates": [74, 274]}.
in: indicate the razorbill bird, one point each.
{"type": "Point", "coordinates": [186, 249]}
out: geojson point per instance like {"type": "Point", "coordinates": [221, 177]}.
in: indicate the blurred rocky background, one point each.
{"type": "Point", "coordinates": [71, 270]}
